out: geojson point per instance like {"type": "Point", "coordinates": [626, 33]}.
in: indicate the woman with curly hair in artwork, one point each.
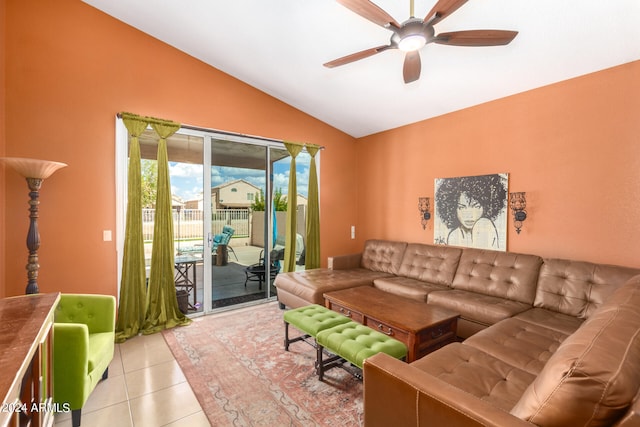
{"type": "Point", "coordinates": [469, 206]}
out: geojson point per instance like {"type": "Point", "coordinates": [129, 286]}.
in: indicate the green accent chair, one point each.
{"type": "Point", "coordinates": [83, 347]}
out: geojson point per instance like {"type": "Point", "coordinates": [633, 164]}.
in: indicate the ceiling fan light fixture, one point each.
{"type": "Point", "coordinates": [413, 34]}
{"type": "Point", "coordinates": [412, 42]}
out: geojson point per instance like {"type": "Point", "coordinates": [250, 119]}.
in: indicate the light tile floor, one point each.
{"type": "Point", "coordinates": [145, 388]}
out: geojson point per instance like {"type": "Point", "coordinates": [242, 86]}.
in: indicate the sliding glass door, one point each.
{"type": "Point", "coordinates": [229, 211]}
{"type": "Point", "coordinates": [238, 179]}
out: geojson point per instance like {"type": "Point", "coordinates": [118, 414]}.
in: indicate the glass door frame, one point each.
{"type": "Point", "coordinates": [208, 135]}
{"type": "Point", "coordinates": [266, 148]}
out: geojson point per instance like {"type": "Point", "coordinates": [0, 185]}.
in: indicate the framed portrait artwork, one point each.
{"type": "Point", "coordinates": [471, 211]}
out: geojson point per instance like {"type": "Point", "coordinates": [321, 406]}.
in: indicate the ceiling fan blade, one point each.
{"type": "Point", "coordinates": [476, 38]}
{"type": "Point", "coordinates": [370, 11]}
{"type": "Point", "coordinates": [412, 66]}
{"type": "Point", "coordinates": [442, 9]}
{"type": "Point", "coordinates": [356, 56]}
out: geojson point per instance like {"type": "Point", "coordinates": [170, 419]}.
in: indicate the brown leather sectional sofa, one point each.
{"type": "Point", "coordinates": [547, 342]}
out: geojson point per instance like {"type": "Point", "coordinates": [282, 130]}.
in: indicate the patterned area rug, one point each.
{"type": "Point", "coordinates": [236, 365]}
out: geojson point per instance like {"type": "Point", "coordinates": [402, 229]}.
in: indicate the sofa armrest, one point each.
{"type": "Point", "coordinates": [98, 312]}
{"type": "Point", "coordinates": [344, 262]}
{"type": "Point", "coordinates": [70, 367]}
{"type": "Point", "coordinates": [396, 393]}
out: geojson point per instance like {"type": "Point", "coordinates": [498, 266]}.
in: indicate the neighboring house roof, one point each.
{"type": "Point", "coordinates": [235, 181]}
{"type": "Point", "coordinates": [234, 194]}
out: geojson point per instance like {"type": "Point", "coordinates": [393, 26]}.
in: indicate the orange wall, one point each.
{"type": "Point", "coordinates": [69, 69]}
{"type": "Point", "coordinates": [574, 147]}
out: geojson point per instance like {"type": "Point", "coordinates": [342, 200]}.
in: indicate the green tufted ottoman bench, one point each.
{"type": "Point", "coordinates": [354, 342]}
{"type": "Point", "coordinates": [310, 319]}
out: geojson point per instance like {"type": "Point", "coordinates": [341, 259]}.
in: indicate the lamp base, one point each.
{"type": "Point", "coordinates": [32, 288]}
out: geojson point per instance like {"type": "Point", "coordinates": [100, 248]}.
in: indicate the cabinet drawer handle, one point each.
{"type": "Point", "coordinates": [381, 329]}
{"type": "Point", "coordinates": [437, 333]}
{"type": "Point", "coordinates": [345, 312]}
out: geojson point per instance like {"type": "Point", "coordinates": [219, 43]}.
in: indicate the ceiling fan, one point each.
{"type": "Point", "coordinates": [411, 35]}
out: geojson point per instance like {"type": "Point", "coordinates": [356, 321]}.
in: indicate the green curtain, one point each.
{"type": "Point", "coordinates": [312, 248]}
{"type": "Point", "coordinates": [132, 306]}
{"type": "Point", "coordinates": [292, 205]}
{"type": "Point", "coordinates": [162, 309]}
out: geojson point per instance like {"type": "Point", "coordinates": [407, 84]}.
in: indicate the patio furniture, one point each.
{"type": "Point", "coordinates": [222, 238]}
{"type": "Point", "coordinates": [185, 275]}
{"type": "Point", "coordinates": [257, 272]}
{"type": "Point", "coordinates": [300, 249]}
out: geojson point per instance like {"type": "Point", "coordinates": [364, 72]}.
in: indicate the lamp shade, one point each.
{"type": "Point", "coordinates": [33, 168]}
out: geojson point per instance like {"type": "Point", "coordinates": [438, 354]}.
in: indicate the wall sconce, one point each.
{"type": "Point", "coordinates": [518, 204]}
{"type": "Point", "coordinates": [35, 171]}
{"type": "Point", "coordinates": [423, 208]}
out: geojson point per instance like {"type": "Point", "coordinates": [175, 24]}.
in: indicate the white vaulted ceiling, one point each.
{"type": "Point", "coordinates": [279, 46]}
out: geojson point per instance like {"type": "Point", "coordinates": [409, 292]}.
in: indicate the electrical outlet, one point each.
{"type": "Point", "coordinates": [353, 231]}
{"type": "Point", "coordinates": [106, 235]}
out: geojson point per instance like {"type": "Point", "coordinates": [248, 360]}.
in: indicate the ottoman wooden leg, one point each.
{"type": "Point", "coordinates": [319, 363]}
{"type": "Point", "coordinates": [286, 336]}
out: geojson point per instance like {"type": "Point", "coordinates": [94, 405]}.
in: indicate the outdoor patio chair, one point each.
{"type": "Point", "coordinates": [257, 272]}
{"type": "Point", "coordinates": [300, 249]}
{"type": "Point", "coordinates": [223, 239]}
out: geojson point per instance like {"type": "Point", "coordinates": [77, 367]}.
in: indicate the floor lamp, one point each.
{"type": "Point", "coordinates": [35, 171]}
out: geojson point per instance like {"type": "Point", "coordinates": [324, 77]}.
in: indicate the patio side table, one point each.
{"type": "Point", "coordinates": [186, 276]}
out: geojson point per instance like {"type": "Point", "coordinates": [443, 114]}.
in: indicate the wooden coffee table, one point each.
{"type": "Point", "coordinates": [423, 328]}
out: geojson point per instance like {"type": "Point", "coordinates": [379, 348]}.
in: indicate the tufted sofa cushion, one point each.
{"type": "Point", "coordinates": [428, 263]}
{"type": "Point", "coordinates": [595, 363]}
{"type": "Point", "coordinates": [551, 319]}
{"type": "Point", "coordinates": [484, 309]}
{"type": "Point", "coordinates": [383, 256]}
{"type": "Point", "coordinates": [477, 373]}
{"type": "Point", "coordinates": [577, 288]}
{"type": "Point", "coordinates": [500, 274]}
{"type": "Point", "coordinates": [424, 269]}
{"type": "Point", "coordinates": [519, 343]}
{"type": "Point", "coordinates": [405, 287]}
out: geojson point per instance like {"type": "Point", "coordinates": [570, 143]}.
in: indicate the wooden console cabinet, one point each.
{"type": "Point", "coordinates": [26, 358]}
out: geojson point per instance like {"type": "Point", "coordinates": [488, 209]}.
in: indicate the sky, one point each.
{"type": "Point", "coordinates": [187, 178]}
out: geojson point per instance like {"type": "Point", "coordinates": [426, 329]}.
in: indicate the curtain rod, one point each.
{"type": "Point", "coordinates": [202, 129]}
{"type": "Point", "coordinates": [262, 138]}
